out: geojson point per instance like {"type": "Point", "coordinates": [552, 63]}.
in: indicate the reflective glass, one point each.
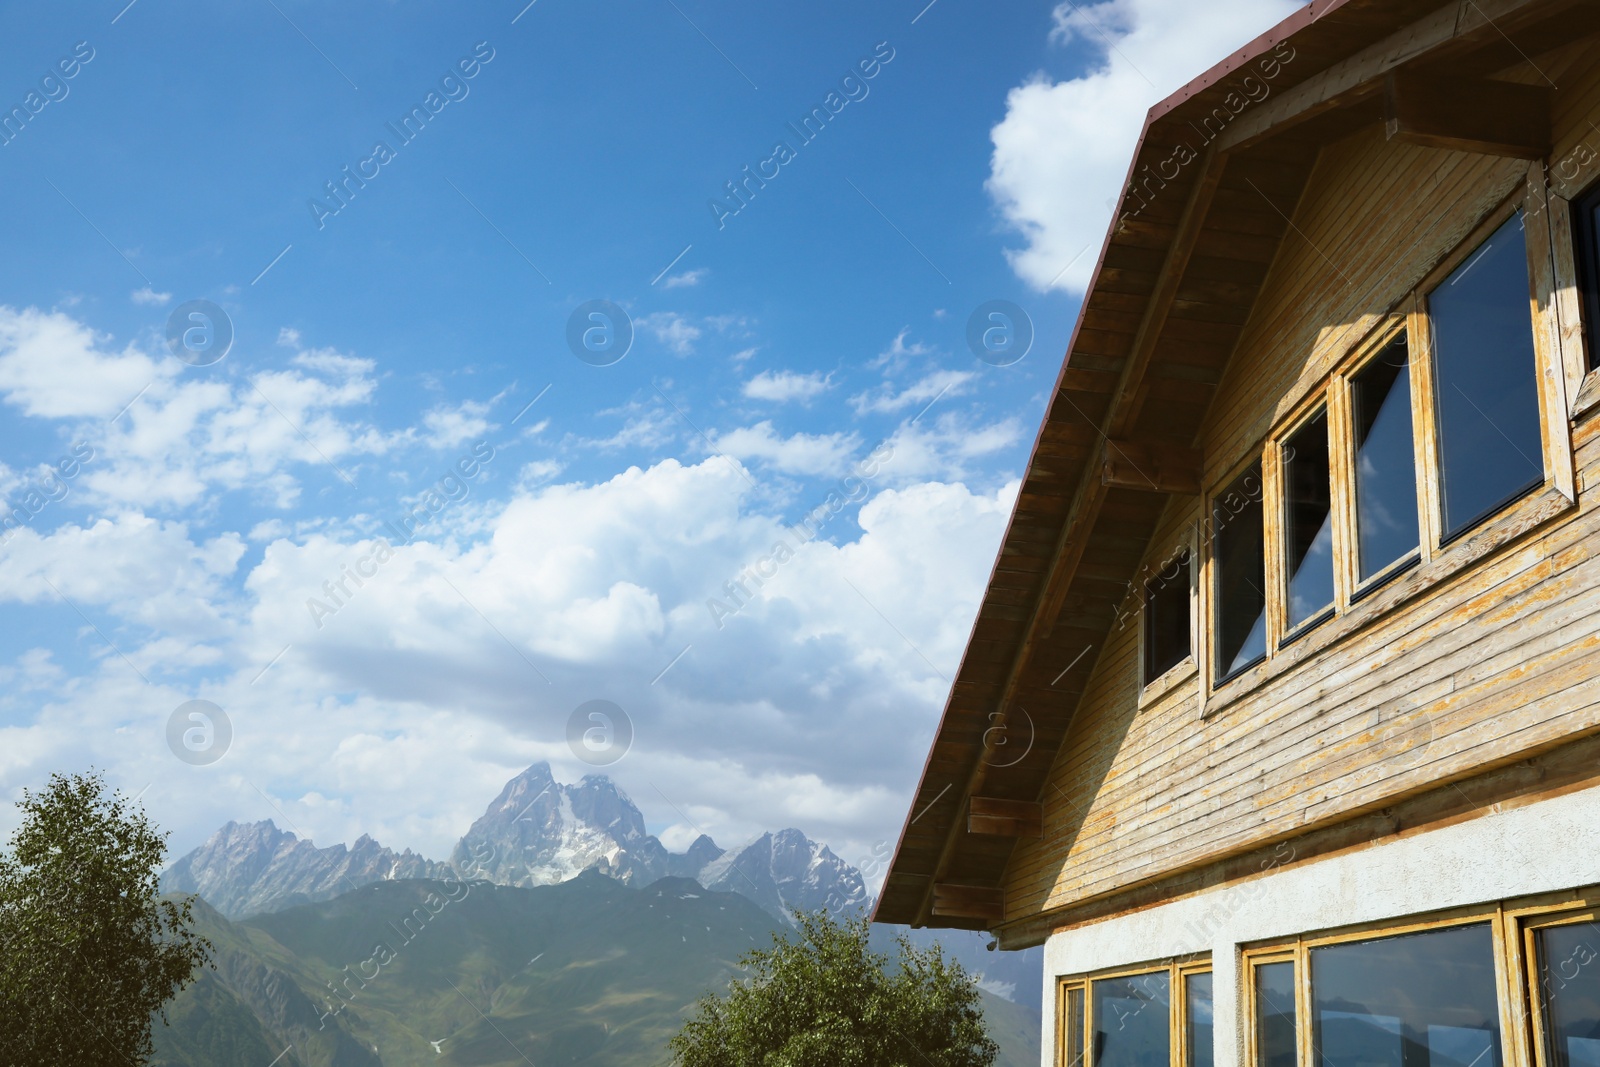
{"type": "Point", "coordinates": [1197, 1009]}
{"type": "Point", "coordinates": [1485, 382]}
{"type": "Point", "coordinates": [1308, 520]}
{"type": "Point", "coordinates": [1418, 1000]}
{"type": "Point", "coordinates": [1241, 582]}
{"type": "Point", "coordinates": [1569, 982]}
{"type": "Point", "coordinates": [1072, 1029]}
{"type": "Point", "coordinates": [1275, 1015]}
{"type": "Point", "coordinates": [1386, 467]}
{"type": "Point", "coordinates": [1133, 1021]}
{"type": "Point", "coordinates": [1166, 618]}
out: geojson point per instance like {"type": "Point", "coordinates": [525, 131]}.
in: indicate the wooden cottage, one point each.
{"type": "Point", "coordinates": [1279, 726]}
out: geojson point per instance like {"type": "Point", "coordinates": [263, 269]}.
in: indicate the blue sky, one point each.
{"type": "Point", "coordinates": [381, 347]}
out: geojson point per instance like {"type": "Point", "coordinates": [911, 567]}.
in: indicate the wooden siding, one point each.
{"type": "Point", "coordinates": [1480, 668]}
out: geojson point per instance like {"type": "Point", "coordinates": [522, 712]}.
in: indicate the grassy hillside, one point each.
{"type": "Point", "coordinates": [406, 973]}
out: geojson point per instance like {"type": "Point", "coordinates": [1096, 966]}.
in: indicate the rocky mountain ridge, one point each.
{"type": "Point", "coordinates": [536, 832]}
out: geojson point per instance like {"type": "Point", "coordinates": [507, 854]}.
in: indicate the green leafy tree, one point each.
{"type": "Point", "coordinates": [88, 949]}
{"type": "Point", "coordinates": [825, 998]}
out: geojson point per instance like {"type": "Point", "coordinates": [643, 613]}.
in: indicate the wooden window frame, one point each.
{"type": "Point", "coordinates": [1279, 631]}
{"type": "Point", "coordinates": [1585, 245]}
{"type": "Point", "coordinates": [1527, 918]}
{"type": "Point", "coordinates": [1246, 679]}
{"type": "Point", "coordinates": [1153, 689]}
{"type": "Point", "coordinates": [1177, 970]}
{"type": "Point", "coordinates": [1508, 971]}
{"type": "Point", "coordinates": [1558, 356]}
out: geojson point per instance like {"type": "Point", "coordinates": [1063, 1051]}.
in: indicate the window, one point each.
{"type": "Point", "coordinates": [1486, 382]}
{"type": "Point", "coordinates": [1308, 522]}
{"type": "Point", "coordinates": [1586, 230]}
{"type": "Point", "coordinates": [1417, 1000]}
{"type": "Point", "coordinates": [1133, 1020]}
{"type": "Point", "coordinates": [1568, 957]}
{"type": "Point", "coordinates": [1239, 546]}
{"type": "Point", "coordinates": [1513, 982]}
{"type": "Point", "coordinates": [1166, 618]}
{"type": "Point", "coordinates": [1385, 461]}
{"type": "Point", "coordinates": [1275, 1014]}
{"type": "Point", "coordinates": [1197, 1019]}
{"type": "Point", "coordinates": [1072, 1027]}
{"type": "Point", "coordinates": [1435, 423]}
{"type": "Point", "coordinates": [1158, 1017]}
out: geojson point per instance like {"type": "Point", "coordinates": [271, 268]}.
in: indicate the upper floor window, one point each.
{"type": "Point", "coordinates": [1238, 559]}
{"type": "Point", "coordinates": [1384, 468]}
{"type": "Point", "coordinates": [1586, 228]}
{"type": "Point", "coordinates": [1308, 521]}
{"type": "Point", "coordinates": [1442, 418]}
{"type": "Point", "coordinates": [1485, 382]}
{"type": "Point", "coordinates": [1167, 622]}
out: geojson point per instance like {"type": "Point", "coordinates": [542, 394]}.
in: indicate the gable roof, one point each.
{"type": "Point", "coordinates": [1194, 235]}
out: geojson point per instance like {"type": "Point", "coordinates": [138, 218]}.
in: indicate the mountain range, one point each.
{"type": "Point", "coordinates": [536, 832]}
{"type": "Point", "coordinates": [559, 929]}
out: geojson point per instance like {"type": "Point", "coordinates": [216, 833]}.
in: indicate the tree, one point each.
{"type": "Point", "coordinates": [88, 949]}
{"type": "Point", "coordinates": [825, 998]}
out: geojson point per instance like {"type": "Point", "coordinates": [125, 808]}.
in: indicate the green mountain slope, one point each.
{"type": "Point", "coordinates": [406, 973]}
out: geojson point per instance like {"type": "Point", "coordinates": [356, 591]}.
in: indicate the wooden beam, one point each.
{"type": "Point", "coordinates": [969, 901]}
{"type": "Point", "coordinates": [1360, 77]}
{"type": "Point", "coordinates": [1488, 117]}
{"type": "Point", "coordinates": [1005, 818]}
{"type": "Point", "coordinates": [1152, 467]}
{"type": "Point", "coordinates": [1085, 507]}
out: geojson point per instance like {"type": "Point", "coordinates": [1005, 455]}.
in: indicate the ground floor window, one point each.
{"type": "Point", "coordinates": [1158, 1016]}
{"type": "Point", "coordinates": [1433, 991]}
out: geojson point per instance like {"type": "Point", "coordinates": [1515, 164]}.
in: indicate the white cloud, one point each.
{"type": "Point", "coordinates": [899, 354]}
{"type": "Point", "coordinates": [784, 386]}
{"type": "Point", "coordinates": [149, 296]}
{"type": "Point", "coordinates": [800, 453]}
{"type": "Point", "coordinates": [687, 279]}
{"type": "Point", "coordinates": [672, 330]}
{"type": "Point", "coordinates": [1063, 148]}
{"type": "Point", "coordinates": [166, 436]}
{"type": "Point", "coordinates": [887, 398]}
{"type": "Point", "coordinates": [448, 427]}
{"type": "Point", "coordinates": [459, 661]}
{"type": "Point", "coordinates": [53, 366]}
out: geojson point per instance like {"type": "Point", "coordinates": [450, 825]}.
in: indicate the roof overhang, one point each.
{"type": "Point", "coordinates": [1191, 243]}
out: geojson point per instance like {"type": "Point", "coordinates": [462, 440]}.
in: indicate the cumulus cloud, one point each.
{"type": "Point", "coordinates": [149, 296]}
{"type": "Point", "coordinates": [1063, 148]}
{"type": "Point", "coordinates": [53, 366]}
{"type": "Point", "coordinates": [799, 453]}
{"type": "Point", "coordinates": [672, 330]}
{"type": "Point", "coordinates": [459, 657]}
{"type": "Point", "coordinates": [784, 386]}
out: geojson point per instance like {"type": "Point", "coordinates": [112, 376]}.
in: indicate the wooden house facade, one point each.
{"type": "Point", "coordinates": [1279, 725]}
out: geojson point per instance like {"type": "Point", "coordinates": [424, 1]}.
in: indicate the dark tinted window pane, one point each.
{"type": "Point", "coordinates": [1132, 1021]}
{"type": "Point", "coordinates": [1569, 980]}
{"type": "Point", "coordinates": [1197, 990]}
{"type": "Point", "coordinates": [1386, 466]}
{"type": "Point", "coordinates": [1421, 1000]}
{"type": "Point", "coordinates": [1072, 1035]}
{"type": "Point", "coordinates": [1241, 582]}
{"type": "Point", "coordinates": [1586, 227]}
{"type": "Point", "coordinates": [1166, 618]}
{"type": "Point", "coordinates": [1275, 1015]}
{"type": "Point", "coordinates": [1308, 520]}
{"type": "Point", "coordinates": [1485, 381]}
